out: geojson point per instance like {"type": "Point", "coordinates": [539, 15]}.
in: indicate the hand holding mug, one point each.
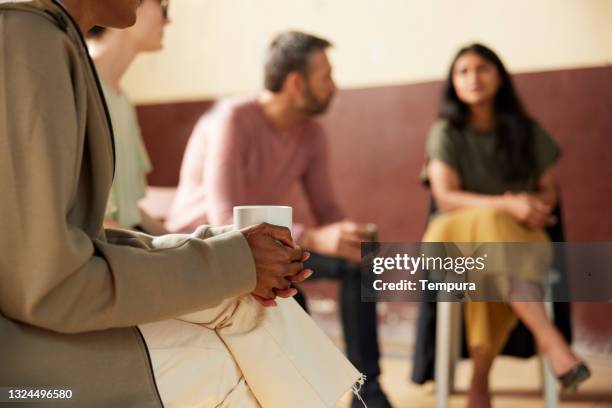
{"type": "Point", "coordinates": [278, 261]}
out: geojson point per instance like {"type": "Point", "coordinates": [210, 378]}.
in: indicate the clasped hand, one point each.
{"type": "Point", "coordinates": [278, 262]}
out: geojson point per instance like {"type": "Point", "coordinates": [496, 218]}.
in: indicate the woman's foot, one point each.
{"type": "Point", "coordinates": [567, 367]}
{"type": "Point", "coordinates": [561, 358]}
{"type": "Point", "coordinates": [576, 375]}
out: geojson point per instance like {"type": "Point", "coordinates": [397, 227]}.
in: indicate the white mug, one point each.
{"type": "Point", "coordinates": [247, 215]}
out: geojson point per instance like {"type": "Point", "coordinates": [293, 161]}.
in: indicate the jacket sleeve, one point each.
{"type": "Point", "coordinates": [52, 273]}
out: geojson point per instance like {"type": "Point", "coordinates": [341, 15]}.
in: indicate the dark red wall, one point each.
{"type": "Point", "coordinates": [377, 136]}
{"type": "Point", "coordinates": [377, 139]}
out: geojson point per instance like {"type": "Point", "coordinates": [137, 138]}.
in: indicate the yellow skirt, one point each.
{"type": "Point", "coordinates": [488, 324]}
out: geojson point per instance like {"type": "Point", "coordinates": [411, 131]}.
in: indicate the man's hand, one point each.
{"type": "Point", "coordinates": [278, 262]}
{"type": "Point", "coordinates": [529, 210]}
{"type": "Point", "coordinates": [341, 239]}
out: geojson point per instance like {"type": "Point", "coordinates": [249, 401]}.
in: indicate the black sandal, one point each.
{"type": "Point", "coordinates": [576, 375]}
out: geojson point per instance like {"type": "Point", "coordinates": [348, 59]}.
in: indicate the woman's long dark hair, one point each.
{"type": "Point", "coordinates": [515, 128]}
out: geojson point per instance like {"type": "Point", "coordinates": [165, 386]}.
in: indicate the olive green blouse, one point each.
{"type": "Point", "coordinates": [471, 151]}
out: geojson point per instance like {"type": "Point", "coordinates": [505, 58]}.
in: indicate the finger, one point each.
{"type": "Point", "coordinates": [293, 269]}
{"type": "Point", "coordinates": [295, 254]}
{"type": "Point", "coordinates": [543, 208]}
{"type": "Point", "coordinates": [281, 234]}
{"type": "Point", "coordinates": [365, 232]}
{"type": "Point", "coordinates": [354, 233]}
{"type": "Point", "coordinates": [361, 236]}
{"type": "Point", "coordinates": [540, 206]}
{"type": "Point", "coordinates": [348, 226]}
{"type": "Point", "coordinates": [540, 220]}
{"type": "Point", "coordinates": [301, 276]}
{"type": "Point", "coordinates": [305, 256]}
{"type": "Point", "coordinates": [281, 284]}
{"type": "Point", "coordinates": [353, 240]}
{"type": "Point", "coordinates": [264, 302]}
{"type": "Point", "coordinates": [291, 292]}
{"type": "Point", "coordinates": [547, 219]}
{"type": "Point", "coordinates": [267, 292]}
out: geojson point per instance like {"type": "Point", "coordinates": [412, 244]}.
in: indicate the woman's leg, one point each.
{"type": "Point", "coordinates": [479, 395]}
{"type": "Point", "coordinates": [549, 339]}
{"type": "Point", "coordinates": [488, 325]}
{"type": "Point", "coordinates": [490, 225]}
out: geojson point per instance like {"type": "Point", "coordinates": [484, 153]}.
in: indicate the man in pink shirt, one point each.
{"type": "Point", "coordinates": [252, 152]}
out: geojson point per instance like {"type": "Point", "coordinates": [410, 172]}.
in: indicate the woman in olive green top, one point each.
{"type": "Point", "coordinates": [489, 166]}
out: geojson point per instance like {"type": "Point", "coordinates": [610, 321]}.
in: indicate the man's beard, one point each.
{"type": "Point", "coordinates": [313, 106]}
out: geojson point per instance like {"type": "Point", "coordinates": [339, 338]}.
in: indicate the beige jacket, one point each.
{"type": "Point", "coordinates": [71, 293]}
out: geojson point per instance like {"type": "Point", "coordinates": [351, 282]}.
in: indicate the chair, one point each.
{"type": "Point", "coordinates": [440, 324]}
{"type": "Point", "coordinates": [448, 346]}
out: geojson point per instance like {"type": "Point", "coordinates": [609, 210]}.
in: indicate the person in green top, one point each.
{"type": "Point", "coordinates": [490, 169]}
{"type": "Point", "coordinates": [113, 51]}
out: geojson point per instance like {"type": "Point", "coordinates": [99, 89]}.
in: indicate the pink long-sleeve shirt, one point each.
{"type": "Point", "coordinates": [236, 156]}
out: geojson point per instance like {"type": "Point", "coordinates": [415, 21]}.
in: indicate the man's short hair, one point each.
{"type": "Point", "coordinates": [290, 51]}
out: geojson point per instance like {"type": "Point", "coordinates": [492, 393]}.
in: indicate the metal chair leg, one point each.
{"type": "Point", "coordinates": [448, 332]}
{"type": "Point", "coordinates": [549, 381]}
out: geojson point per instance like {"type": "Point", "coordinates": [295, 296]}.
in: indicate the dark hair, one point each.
{"type": "Point", "coordinates": [514, 126]}
{"type": "Point", "coordinates": [290, 51]}
{"type": "Point", "coordinates": [96, 32]}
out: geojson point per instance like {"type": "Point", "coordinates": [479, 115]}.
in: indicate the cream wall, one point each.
{"type": "Point", "coordinates": [215, 47]}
